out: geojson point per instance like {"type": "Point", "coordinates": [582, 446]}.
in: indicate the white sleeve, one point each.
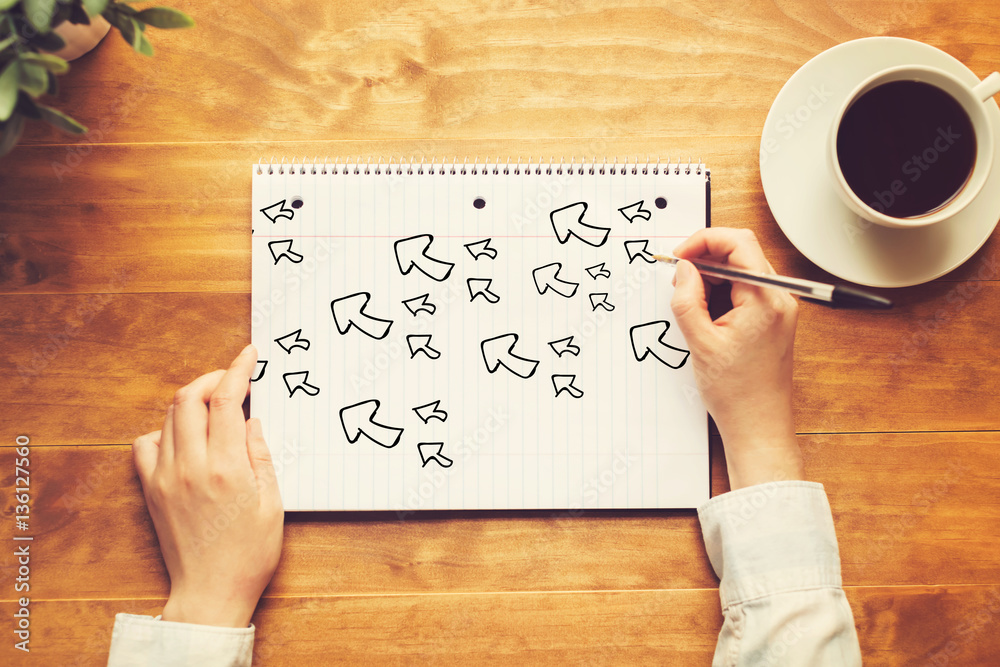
{"type": "Point", "coordinates": [774, 548]}
{"type": "Point", "coordinates": [144, 641]}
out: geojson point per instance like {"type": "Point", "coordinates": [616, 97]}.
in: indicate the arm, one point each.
{"type": "Point", "coordinates": [212, 494]}
{"type": "Point", "coordinates": [771, 540]}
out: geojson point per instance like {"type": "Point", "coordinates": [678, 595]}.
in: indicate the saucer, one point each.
{"type": "Point", "coordinates": [800, 191]}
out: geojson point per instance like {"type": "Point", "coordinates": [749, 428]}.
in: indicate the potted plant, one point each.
{"type": "Point", "coordinates": [33, 31]}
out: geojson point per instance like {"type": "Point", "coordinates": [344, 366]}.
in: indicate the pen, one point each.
{"type": "Point", "coordinates": [836, 296]}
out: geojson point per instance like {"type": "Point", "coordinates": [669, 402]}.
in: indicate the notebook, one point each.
{"type": "Point", "coordinates": [476, 336]}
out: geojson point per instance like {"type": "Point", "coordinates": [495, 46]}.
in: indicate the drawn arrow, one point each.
{"type": "Point", "coordinates": [600, 300]}
{"type": "Point", "coordinates": [349, 311]}
{"type": "Point", "coordinates": [359, 419]}
{"type": "Point", "coordinates": [480, 248]}
{"type": "Point", "coordinates": [283, 248]}
{"type": "Point", "coordinates": [565, 383]}
{"type": "Point", "coordinates": [547, 277]}
{"type": "Point", "coordinates": [568, 221]}
{"type": "Point", "coordinates": [647, 339]}
{"type": "Point", "coordinates": [418, 303]}
{"type": "Point", "coordinates": [430, 411]}
{"type": "Point", "coordinates": [481, 287]}
{"type": "Point", "coordinates": [638, 249]}
{"type": "Point", "coordinates": [564, 346]}
{"type": "Point", "coordinates": [299, 380]}
{"type": "Point", "coordinates": [634, 211]}
{"type": "Point", "coordinates": [431, 451]}
{"type": "Point", "coordinates": [421, 343]}
{"type": "Point", "coordinates": [297, 341]}
{"type": "Point", "coordinates": [412, 252]}
{"type": "Point", "coordinates": [282, 212]}
{"type": "Point", "coordinates": [598, 271]}
{"type": "Point", "coordinates": [499, 351]}
{"type": "Point", "coordinates": [258, 372]}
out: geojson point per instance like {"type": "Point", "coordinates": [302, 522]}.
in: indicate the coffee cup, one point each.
{"type": "Point", "coordinates": [896, 157]}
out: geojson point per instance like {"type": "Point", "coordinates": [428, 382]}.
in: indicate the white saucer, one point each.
{"type": "Point", "coordinates": [794, 173]}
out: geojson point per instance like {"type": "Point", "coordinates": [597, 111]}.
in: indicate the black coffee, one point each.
{"type": "Point", "coordinates": [906, 148]}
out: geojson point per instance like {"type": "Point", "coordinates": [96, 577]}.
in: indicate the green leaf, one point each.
{"type": "Point", "coordinates": [165, 17]}
{"type": "Point", "coordinates": [136, 35]}
{"type": "Point", "coordinates": [26, 106]}
{"type": "Point", "coordinates": [49, 41]}
{"type": "Point", "coordinates": [39, 13]}
{"type": "Point", "coordinates": [34, 78]}
{"type": "Point", "coordinates": [8, 89]}
{"type": "Point", "coordinates": [124, 25]}
{"type": "Point", "coordinates": [145, 48]}
{"type": "Point", "coordinates": [95, 7]}
{"type": "Point", "coordinates": [61, 120]}
{"type": "Point", "coordinates": [11, 133]}
{"type": "Point", "coordinates": [78, 15]}
{"type": "Point", "coordinates": [7, 4]}
{"type": "Point", "coordinates": [4, 43]}
{"type": "Point", "coordinates": [52, 63]}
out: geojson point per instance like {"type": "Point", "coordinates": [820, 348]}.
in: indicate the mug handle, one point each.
{"type": "Point", "coordinates": [988, 87]}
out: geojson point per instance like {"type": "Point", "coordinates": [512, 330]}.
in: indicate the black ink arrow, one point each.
{"type": "Point", "coordinates": [431, 451]}
{"type": "Point", "coordinates": [283, 248]}
{"type": "Point", "coordinates": [282, 212]}
{"type": "Point", "coordinates": [412, 252]}
{"type": "Point", "coordinates": [418, 303]}
{"type": "Point", "coordinates": [638, 249]}
{"type": "Point", "coordinates": [481, 248]}
{"type": "Point", "coordinates": [296, 341]}
{"type": "Point", "coordinates": [634, 211]}
{"type": "Point", "coordinates": [430, 411]}
{"type": "Point", "coordinates": [349, 311]}
{"type": "Point", "coordinates": [421, 343]}
{"type": "Point", "coordinates": [547, 277]}
{"type": "Point", "coordinates": [600, 300]}
{"type": "Point", "coordinates": [258, 372]}
{"type": "Point", "coordinates": [359, 419]}
{"type": "Point", "coordinates": [499, 351]}
{"type": "Point", "coordinates": [481, 287]}
{"type": "Point", "coordinates": [299, 380]}
{"type": "Point", "coordinates": [598, 271]}
{"type": "Point", "coordinates": [568, 221]}
{"type": "Point", "coordinates": [647, 339]}
{"type": "Point", "coordinates": [564, 346]}
{"type": "Point", "coordinates": [565, 383]}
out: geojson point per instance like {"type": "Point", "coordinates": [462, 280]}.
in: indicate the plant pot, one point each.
{"type": "Point", "coordinates": [79, 38]}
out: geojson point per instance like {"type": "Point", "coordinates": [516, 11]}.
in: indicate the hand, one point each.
{"type": "Point", "coordinates": [212, 494]}
{"type": "Point", "coordinates": [743, 360]}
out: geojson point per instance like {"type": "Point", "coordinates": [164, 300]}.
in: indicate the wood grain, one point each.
{"type": "Point", "coordinates": [896, 626]}
{"type": "Point", "coordinates": [910, 509]}
{"type": "Point", "coordinates": [125, 273]}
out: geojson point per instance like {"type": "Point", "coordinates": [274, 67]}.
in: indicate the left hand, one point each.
{"type": "Point", "coordinates": [212, 494]}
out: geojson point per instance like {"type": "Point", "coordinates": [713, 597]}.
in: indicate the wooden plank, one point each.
{"type": "Point", "coordinates": [909, 509]}
{"type": "Point", "coordinates": [942, 625]}
{"type": "Point", "coordinates": [411, 69]}
{"type": "Point", "coordinates": [101, 369]}
{"type": "Point", "coordinates": [169, 218]}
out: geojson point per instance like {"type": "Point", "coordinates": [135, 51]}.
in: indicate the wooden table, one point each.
{"type": "Point", "coordinates": [125, 273]}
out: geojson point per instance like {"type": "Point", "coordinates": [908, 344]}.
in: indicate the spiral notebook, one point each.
{"type": "Point", "coordinates": [476, 336]}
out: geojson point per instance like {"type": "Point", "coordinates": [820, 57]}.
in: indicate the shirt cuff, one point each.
{"type": "Point", "coordinates": [771, 538]}
{"type": "Point", "coordinates": [145, 640]}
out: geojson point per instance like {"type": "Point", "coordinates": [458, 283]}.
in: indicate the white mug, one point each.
{"type": "Point", "coordinates": [972, 98]}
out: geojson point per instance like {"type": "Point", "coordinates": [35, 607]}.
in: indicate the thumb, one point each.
{"type": "Point", "coordinates": [145, 451]}
{"type": "Point", "coordinates": [261, 463]}
{"type": "Point", "coordinates": [689, 304]}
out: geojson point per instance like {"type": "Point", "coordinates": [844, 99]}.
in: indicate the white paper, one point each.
{"type": "Point", "coordinates": [621, 433]}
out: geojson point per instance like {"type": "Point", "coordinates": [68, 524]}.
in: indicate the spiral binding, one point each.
{"type": "Point", "coordinates": [410, 167]}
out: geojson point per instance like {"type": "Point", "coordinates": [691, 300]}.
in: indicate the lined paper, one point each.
{"type": "Point", "coordinates": [476, 341]}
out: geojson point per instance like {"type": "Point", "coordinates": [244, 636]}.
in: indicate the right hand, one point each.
{"type": "Point", "coordinates": [743, 360]}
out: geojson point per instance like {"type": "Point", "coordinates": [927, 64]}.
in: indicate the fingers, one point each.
{"type": "Point", "coordinates": [262, 465]}
{"type": "Point", "coordinates": [190, 418]}
{"type": "Point", "coordinates": [145, 451]}
{"type": "Point", "coordinates": [166, 449]}
{"type": "Point", "coordinates": [689, 303]}
{"type": "Point", "coordinates": [737, 247]}
{"type": "Point", "coordinates": [226, 425]}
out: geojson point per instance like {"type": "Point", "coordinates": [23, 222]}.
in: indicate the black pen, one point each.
{"type": "Point", "coordinates": [836, 296]}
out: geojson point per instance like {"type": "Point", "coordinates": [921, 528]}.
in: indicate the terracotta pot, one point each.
{"type": "Point", "coordinates": [80, 39]}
